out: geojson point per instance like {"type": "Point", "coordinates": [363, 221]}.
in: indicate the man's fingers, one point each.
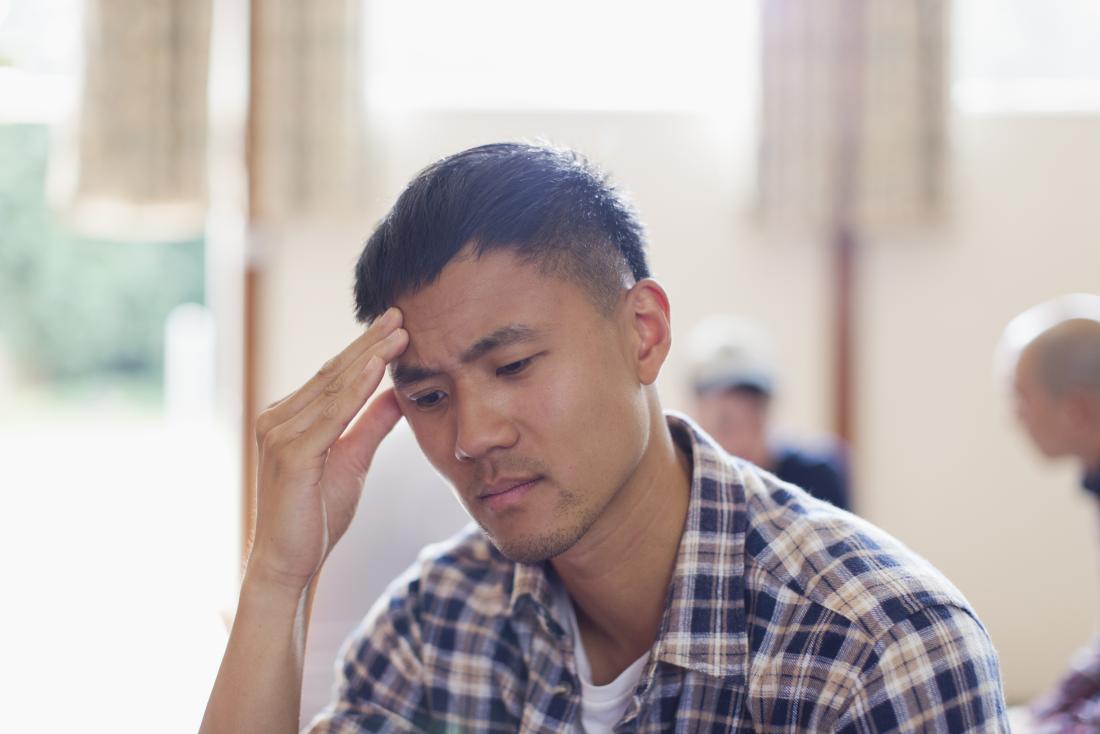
{"type": "Point", "coordinates": [320, 424]}
{"type": "Point", "coordinates": [330, 373]}
{"type": "Point", "coordinates": [358, 445]}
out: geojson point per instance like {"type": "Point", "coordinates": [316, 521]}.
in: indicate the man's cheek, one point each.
{"type": "Point", "coordinates": [559, 397]}
{"type": "Point", "coordinates": [426, 436]}
{"type": "Point", "coordinates": [429, 436]}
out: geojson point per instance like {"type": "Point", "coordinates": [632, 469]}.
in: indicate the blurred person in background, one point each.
{"type": "Point", "coordinates": [1052, 353]}
{"type": "Point", "coordinates": [626, 573]}
{"type": "Point", "coordinates": [733, 378]}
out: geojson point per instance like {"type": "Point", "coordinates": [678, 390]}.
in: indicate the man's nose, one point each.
{"type": "Point", "coordinates": [482, 427]}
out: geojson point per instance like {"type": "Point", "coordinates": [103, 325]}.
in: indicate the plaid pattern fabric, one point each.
{"type": "Point", "coordinates": [1073, 707]}
{"type": "Point", "coordinates": [784, 614]}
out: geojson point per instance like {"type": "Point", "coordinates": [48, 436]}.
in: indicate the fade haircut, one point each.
{"type": "Point", "coordinates": [548, 205]}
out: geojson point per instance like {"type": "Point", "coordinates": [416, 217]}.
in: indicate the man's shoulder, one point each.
{"type": "Point", "coordinates": [465, 571]}
{"type": "Point", "coordinates": [835, 560]}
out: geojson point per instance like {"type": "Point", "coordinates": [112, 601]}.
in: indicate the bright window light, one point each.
{"type": "Point", "coordinates": [1020, 56]}
{"type": "Point", "coordinates": [39, 45]}
{"type": "Point", "coordinates": [608, 55]}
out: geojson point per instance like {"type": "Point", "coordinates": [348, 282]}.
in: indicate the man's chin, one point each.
{"type": "Point", "coordinates": [533, 548]}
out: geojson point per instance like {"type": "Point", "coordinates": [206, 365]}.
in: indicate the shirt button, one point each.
{"type": "Point", "coordinates": [564, 688]}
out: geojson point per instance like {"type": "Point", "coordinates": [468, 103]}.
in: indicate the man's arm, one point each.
{"type": "Point", "coordinates": [259, 684]}
{"type": "Point", "coordinates": [936, 671]}
{"type": "Point", "coordinates": [312, 467]}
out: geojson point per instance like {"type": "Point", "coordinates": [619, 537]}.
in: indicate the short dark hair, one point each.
{"type": "Point", "coordinates": [547, 204]}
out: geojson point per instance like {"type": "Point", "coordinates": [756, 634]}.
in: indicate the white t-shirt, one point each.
{"type": "Point", "coordinates": [601, 706]}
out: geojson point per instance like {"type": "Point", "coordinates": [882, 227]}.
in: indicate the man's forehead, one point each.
{"type": "Point", "coordinates": [413, 366]}
{"type": "Point", "coordinates": [1025, 367]}
{"type": "Point", "coordinates": [475, 295]}
{"type": "Point", "coordinates": [471, 285]}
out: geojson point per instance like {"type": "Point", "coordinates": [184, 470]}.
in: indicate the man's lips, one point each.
{"type": "Point", "coordinates": [502, 486]}
{"type": "Point", "coordinates": [502, 496]}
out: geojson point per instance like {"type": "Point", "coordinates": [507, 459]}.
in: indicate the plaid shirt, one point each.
{"type": "Point", "coordinates": [784, 614]}
{"type": "Point", "coordinates": [1073, 707]}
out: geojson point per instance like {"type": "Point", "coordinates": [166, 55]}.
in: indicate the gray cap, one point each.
{"type": "Point", "coordinates": [726, 352]}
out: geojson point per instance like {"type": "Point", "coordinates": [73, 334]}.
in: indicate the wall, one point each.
{"type": "Point", "coordinates": [938, 462]}
{"type": "Point", "coordinates": [941, 464]}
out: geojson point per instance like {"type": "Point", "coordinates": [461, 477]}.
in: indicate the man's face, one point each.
{"type": "Point", "coordinates": [1042, 415]}
{"type": "Point", "coordinates": [737, 420]}
{"type": "Point", "coordinates": [522, 395]}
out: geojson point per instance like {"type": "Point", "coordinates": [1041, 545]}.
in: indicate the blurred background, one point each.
{"type": "Point", "coordinates": [185, 186]}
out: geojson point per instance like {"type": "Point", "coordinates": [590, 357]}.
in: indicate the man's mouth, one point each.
{"type": "Point", "coordinates": [505, 493]}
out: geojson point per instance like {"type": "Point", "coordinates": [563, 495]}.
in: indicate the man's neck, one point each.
{"type": "Point", "coordinates": [618, 574]}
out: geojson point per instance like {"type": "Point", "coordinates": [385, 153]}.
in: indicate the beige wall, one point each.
{"type": "Point", "coordinates": [941, 465]}
{"type": "Point", "coordinates": [938, 462]}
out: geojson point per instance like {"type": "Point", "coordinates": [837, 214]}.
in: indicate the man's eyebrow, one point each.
{"type": "Point", "coordinates": [505, 336]}
{"type": "Point", "coordinates": [406, 374]}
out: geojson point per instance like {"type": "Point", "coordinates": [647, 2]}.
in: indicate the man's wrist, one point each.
{"type": "Point", "coordinates": [265, 590]}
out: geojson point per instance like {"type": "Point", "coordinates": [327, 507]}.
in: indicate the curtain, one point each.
{"type": "Point", "coordinates": [308, 133]}
{"type": "Point", "coordinates": [134, 163]}
{"type": "Point", "coordinates": [852, 114]}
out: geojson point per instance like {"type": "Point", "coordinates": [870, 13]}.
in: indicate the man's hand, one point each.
{"type": "Point", "coordinates": [312, 466]}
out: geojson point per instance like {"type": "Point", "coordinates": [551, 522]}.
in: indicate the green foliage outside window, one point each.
{"type": "Point", "coordinates": [74, 309]}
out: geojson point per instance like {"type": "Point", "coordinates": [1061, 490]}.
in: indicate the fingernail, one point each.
{"type": "Point", "coordinates": [394, 335]}
{"type": "Point", "coordinates": [372, 363]}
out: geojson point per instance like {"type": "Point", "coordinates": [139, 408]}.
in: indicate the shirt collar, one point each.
{"type": "Point", "coordinates": [703, 628]}
{"type": "Point", "coordinates": [533, 592]}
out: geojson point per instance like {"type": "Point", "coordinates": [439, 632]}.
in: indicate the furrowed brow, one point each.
{"type": "Point", "coordinates": [406, 374]}
{"type": "Point", "coordinates": [503, 337]}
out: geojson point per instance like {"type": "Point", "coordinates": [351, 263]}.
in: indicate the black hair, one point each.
{"type": "Point", "coordinates": [547, 204]}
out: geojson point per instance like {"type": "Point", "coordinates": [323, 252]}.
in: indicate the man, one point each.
{"type": "Point", "coordinates": [1052, 351]}
{"type": "Point", "coordinates": [625, 572]}
{"type": "Point", "coordinates": [733, 378]}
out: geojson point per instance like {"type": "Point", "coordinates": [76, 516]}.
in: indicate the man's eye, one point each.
{"type": "Point", "coordinates": [513, 368]}
{"type": "Point", "coordinates": [429, 400]}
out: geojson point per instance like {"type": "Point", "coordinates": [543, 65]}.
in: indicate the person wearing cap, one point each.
{"type": "Point", "coordinates": [1051, 354]}
{"type": "Point", "coordinates": [733, 379]}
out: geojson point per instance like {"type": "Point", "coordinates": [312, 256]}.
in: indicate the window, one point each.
{"type": "Point", "coordinates": [1019, 56]}
{"type": "Point", "coordinates": [119, 492]}
{"type": "Point", "coordinates": [613, 55]}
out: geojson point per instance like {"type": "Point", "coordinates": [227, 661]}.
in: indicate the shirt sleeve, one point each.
{"type": "Point", "coordinates": [936, 671]}
{"type": "Point", "coordinates": [380, 673]}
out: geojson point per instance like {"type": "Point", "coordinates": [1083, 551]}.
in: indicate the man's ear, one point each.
{"type": "Point", "coordinates": [647, 308]}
